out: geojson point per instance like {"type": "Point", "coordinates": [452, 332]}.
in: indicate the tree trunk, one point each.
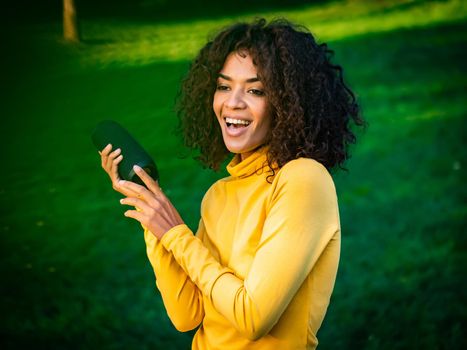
{"type": "Point", "coordinates": [70, 22]}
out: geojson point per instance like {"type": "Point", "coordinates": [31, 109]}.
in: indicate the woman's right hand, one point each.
{"type": "Point", "coordinates": [109, 161]}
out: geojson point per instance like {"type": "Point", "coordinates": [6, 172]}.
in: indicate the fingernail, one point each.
{"type": "Point", "coordinates": [136, 168]}
{"type": "Point", "coordinates": [121, 182]}
{"type": "Point", "coordinates": [121, 201]}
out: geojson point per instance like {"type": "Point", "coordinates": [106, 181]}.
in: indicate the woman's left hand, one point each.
{"type": "Point", "coordinates": [155, 211]}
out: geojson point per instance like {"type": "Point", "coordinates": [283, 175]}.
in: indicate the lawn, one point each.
{"type": "Point", "coordinates": [75, 271]}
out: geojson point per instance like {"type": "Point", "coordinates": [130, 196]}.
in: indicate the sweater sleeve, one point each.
{"type": "Point", "coordinates": [302, 219]}
{"type": "Point", "coordinates": [182, 298]}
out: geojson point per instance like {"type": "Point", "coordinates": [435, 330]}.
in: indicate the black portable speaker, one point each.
{"type": "Point", "coordinates": [109, 131]}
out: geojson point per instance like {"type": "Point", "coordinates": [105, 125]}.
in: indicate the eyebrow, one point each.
{"type": "Point", "coordinates": [249, 80]}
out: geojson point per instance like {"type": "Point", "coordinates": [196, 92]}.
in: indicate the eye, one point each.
{"type": "Point", "coordinates": [222, 87]}
{"type": "Point", "coordinates": [256, 92]}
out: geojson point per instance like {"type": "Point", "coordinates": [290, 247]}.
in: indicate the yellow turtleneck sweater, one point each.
{"type": "Point", "coordinates": [261, 269]}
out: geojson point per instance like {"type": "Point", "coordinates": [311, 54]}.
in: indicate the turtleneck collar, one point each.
{"type": "Point", "coordinates": [249, 166]}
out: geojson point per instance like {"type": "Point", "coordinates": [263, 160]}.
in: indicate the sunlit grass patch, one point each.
{"type": "Point", "coordinates": [133, 43]}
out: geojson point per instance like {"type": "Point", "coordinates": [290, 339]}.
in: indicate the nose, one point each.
{"type": "Point", "coordinates": [235, 100]}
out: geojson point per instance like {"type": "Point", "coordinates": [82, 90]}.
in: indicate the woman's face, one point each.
{"type": "Point", "coordinates": [241, 106]}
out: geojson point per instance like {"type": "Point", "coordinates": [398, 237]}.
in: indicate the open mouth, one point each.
{"type": "Point", "coordinates": [236, 123]}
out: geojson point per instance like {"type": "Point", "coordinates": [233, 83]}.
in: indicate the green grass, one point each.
{"type": "Point", "coordinates": [75, 271]}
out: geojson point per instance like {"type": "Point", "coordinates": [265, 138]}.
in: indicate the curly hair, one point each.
{"type": "Point", "coordinates": [312, 109]}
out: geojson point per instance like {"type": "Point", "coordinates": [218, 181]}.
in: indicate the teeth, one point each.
{"type": "Point", "coordinates": [237, 121]}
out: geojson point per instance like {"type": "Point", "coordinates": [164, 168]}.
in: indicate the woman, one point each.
{"type": "Point", "coordinates": [261, 268]}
